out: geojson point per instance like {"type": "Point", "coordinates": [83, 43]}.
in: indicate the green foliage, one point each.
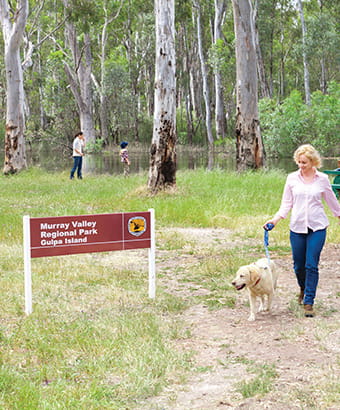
{"type": "Point", "coordinates": [55, 57]}
{"type": "Point", "coordinates": [325, 114]}
{"type": "Point", "coordinates": [145, 127]}
{"type": "Point", "coordinates": [292, 123]}
{"type": "Point", "coordinates": [82, 12]}
{"type": "Point", "coordinates": [218, 54]}
{"type": "Point", "coordinates": [95, 146]}
{"type": "Point", "coordinates": [199, 137]}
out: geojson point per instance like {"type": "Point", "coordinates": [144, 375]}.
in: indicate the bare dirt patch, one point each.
{"type": "Point", "coordinates": [304, 352]}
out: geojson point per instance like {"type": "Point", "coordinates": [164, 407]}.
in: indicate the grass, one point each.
{"type": "Point", "coordinates": [261, 380]}
{"type": "Point", "coordinates": [261, 383]}
{"type": "Point", "coordinates": [94, 339]}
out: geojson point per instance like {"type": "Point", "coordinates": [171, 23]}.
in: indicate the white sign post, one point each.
{"type": "Point", "coordinates": [152, 257]}
{"type": "Point", "coordinates": [53, 236]}
{"type": "Point", "coordinates": [27, 265]}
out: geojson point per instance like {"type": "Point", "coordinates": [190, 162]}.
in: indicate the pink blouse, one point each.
{"type": "Point", "coordinates": [305, 201]}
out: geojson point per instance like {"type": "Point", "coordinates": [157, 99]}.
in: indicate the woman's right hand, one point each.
{"type": "Point", "coordinates": [273, 221]}
{"type": "Point", "coordinates": [268, 226]}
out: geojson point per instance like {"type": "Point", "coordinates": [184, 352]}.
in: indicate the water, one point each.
{"type": "Point", "coordinates": [187, 158]}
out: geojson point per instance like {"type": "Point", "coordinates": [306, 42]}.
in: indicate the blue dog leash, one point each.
{"type": "Point", "coordinates": [267, 228]}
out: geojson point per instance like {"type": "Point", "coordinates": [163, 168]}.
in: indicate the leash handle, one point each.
{"type": "Point", "coordinates": [269, 227]}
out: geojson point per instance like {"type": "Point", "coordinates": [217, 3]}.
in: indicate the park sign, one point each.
{"type": "Point", "coordinates": [66, 235]}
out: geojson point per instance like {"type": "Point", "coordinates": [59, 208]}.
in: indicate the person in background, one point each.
{"type": "Point", "coordinates": [124, 157]}
{"type": "Point", "coordinates": [78, 153]}
{"type": "Point", "coordinates": [303, 194]}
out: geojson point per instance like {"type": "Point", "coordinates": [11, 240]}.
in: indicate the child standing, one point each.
{"type": "Point", "coordinates": [124, 157]}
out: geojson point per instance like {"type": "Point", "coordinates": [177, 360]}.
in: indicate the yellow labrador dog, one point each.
{"type": "Point", "coordinates": [260, 279]}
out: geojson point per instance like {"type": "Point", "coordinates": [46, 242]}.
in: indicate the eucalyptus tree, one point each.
{"type": "Point", "coordinates": [304, 54]}
{"type": "Point", "coordinates": [162, 172]}
{"type": "Point", "coordinates": [111, 11]}
{"type": "Point", "coordinates": [204, 72]}
{"type": "Point", "coordinates": [322, 45]}
{"type": "Point", "coordinates": [276, 25]}
{"type": "Point", "coordinates": [41, 26]}
{"type": "Point", "coordinates": [266, 26]}
{"type": "Point", "coordinates": [186, 54]}
{"type": "Point", "coordinates": [138, 39]}
{"type": "Point", "coordinates": [220, 7]}
{"type": "Point", "coordinates": [123, 34]}
{"type": "Point", "coordinates": [264, 87]}
{"type": "Point", "coordinates": [249, 146]}
{"type": "Point", "coordinates": [78, 68]}
{"type": "Point", "coordinates": [13, 18]}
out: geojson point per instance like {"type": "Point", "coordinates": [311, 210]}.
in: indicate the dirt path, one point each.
{"type": "Point", "coordinates": [304, 353]}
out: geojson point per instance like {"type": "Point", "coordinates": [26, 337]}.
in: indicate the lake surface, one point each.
{"type": "Point", "coordinates": [187, 158]}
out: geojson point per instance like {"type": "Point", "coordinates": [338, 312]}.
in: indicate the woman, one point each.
{"type": "Point", "coordinates": [303, 193]}
{"type": "Point", "coordinates": [78, 153]}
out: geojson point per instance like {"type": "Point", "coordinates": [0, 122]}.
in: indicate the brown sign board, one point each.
{"type": "Point", "coordinates": [66, 235]}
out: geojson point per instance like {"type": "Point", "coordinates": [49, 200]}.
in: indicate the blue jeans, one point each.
{"type": "Point", "coordinates": [77, 164]}
{"type": "Point", "coordinates": [306, 248]}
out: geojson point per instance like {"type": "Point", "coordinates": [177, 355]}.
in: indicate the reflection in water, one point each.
{"type": "Point", "coordinates": [211, 156]}
{"type": "Point", "coordinates": [187, 158]}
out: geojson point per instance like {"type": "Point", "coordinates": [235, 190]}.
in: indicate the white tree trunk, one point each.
{"type": "Point", "coordinates": [104, 125]}
{"type": "Point", "coordinates": [13, 28]}
{"type": "Point", "coordinates": [249, 147]}
{"type": "Point", "coordinates": [304, 54]}
{"type": "Point", "coordinates": [206, 91]}
{"type": "Point", "coordinates": [162, 172]}
{"type": "Point", "coordinates": [220, 120]}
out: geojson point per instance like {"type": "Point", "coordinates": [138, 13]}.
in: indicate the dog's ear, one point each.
{"type": "Point", "coordinates": [254, 274]}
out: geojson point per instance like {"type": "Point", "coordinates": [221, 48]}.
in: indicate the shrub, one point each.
{"type": "Point", "coordinates": [287, 125]}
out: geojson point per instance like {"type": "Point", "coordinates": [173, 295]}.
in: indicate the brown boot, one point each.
{"type": "Point", "coordinates": [301, 296]}
{"type": "Point", "coordinates": [309, 312]}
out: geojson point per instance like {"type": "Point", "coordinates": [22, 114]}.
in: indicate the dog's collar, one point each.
{"type": "Point", "coordinates": [256, 283]}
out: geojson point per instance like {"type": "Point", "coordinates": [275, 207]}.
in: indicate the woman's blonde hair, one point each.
{"type": "Point", "coordinates": [310, 152]}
